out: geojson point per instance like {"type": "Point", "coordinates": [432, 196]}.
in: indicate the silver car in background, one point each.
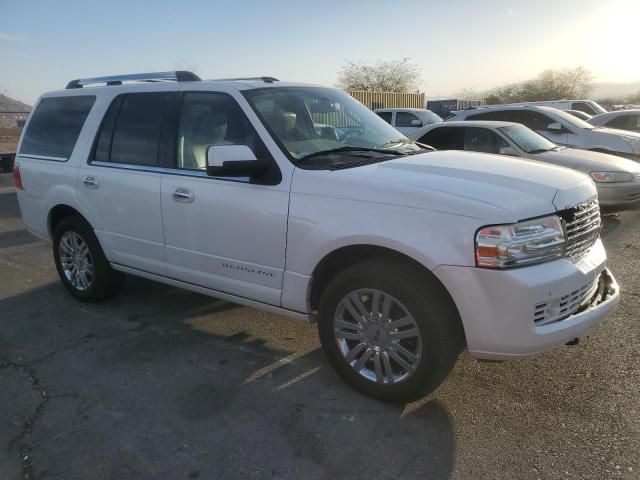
{"type": "Point", "coordinates": [617, 179]}
{"type": "Point", "coordinates": [560, 128]}
{"type": "Point", "coordinates": [620, 119]}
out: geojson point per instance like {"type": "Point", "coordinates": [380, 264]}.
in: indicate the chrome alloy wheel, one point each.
{"type": "Point", "coordinates": [377, 336]}
{"type": "Point", "coordinates": [76, 260]}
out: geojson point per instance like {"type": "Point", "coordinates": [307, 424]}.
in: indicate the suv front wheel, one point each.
{"type": "Point", "coordinates": [81, 263]}
{"type": "Point", "coordinates": [389, 330]}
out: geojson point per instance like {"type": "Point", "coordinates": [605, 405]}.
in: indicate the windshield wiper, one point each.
{"type": "Point", "coordinates": [540, 150]}
{"type": "Point", "coordinates": [349, 149]}
{"type": "Point", "coordinates": [399, 141]}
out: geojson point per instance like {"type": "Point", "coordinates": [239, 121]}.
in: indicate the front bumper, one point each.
{"type": "Point", "coordinates": [500, 308]}
{"type": "Point", "coordinates": [622, 195]}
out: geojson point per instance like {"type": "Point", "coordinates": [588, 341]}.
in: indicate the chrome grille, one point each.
{"type": "Point", "coordinates": [563, 307]}
{"type": "Point", "coordinates": [582, 224]}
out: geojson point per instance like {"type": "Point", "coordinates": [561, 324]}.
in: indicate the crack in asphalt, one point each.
{"type": "Point", "coordinates": [21, 440]}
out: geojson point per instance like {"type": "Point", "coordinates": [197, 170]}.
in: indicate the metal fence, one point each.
{"type": "Point", "coordinates": [375, 100]}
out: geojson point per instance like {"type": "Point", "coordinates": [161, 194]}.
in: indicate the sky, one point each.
{"type": "Point", "coordinates": [457, 44]}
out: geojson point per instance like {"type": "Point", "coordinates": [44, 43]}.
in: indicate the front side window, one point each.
{"type": "Point", "coordinates": [482, 140]}
{"type": "Point", "coordinates": [532, 119]}
{"type": "Point", "coordinates": [406, 119]}
{"type": "Point", "coordinates": [55, 126]}
{"type": "Point", "coordinates": [569, 119]}
{"type": "Point", "coordinates": [132, 129]}
{"type": "Point", "coordinates": [527, 139]}
{"type": "Point", "coordinates": [211, 119]}
{"type": "Point", "coordinates": [313, 121]}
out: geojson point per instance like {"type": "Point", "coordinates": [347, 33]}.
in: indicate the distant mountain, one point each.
{"type": "Point", "coordinates": [614, 90]}
{"type": "Point", "coordinates": [10, 105]}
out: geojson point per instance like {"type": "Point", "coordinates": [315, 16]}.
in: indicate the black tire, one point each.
{"type": "Point", "coordinates": [437, 319]}
{"type": "Point", "coordinates": [105, 281]}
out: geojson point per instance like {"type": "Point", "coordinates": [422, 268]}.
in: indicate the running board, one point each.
{"type": "Point", "coordinates": [212, 293]}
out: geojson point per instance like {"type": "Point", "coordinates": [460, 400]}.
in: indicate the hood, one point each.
{"type": "Point", "coordinates": [489, 187]}
{"type": "Point", "coordinates": [587, 161]}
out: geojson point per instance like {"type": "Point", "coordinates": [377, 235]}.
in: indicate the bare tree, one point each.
{"type": "Point", "coordinates": [549, 85]}
{"type": "Point", "coordinates": [467, 94]}
{"type": "Point", "coordinates": [391, 76]}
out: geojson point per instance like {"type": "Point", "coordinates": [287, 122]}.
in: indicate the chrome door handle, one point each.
{"type": "Point", "coordinates": [183, 195]}
{"type": "Point", "coordinates": [90, 181]}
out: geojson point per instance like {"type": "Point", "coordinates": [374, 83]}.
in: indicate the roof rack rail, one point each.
{"type": "Point", "coordinates": [176, 76]}
{"type": "Point", "coordinates": [264, 79]}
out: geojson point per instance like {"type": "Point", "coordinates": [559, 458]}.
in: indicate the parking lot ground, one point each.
{"type": "Point", "coordinates": [161, 383]}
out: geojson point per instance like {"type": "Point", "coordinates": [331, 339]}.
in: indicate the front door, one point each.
{"type": "Point", "coordinates": [226, 234]}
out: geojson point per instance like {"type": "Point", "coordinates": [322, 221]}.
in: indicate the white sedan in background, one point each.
{"type": "Point", "coordinates": [617, 179]}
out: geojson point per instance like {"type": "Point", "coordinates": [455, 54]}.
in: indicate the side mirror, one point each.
{"type": "Point", "coordinates": [555, 127]}
{"type": "Point", "coordinates": [509, 150]}
{"type": "Point", "coordinates": [416, 123]}
{"type": "Point", "coordinates": [233, 161]}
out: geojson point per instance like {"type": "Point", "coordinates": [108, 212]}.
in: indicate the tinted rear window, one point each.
{"type": "Point", "coordinates": [137, 134]}
{"type": "Point", "coordinates": [55, 126]}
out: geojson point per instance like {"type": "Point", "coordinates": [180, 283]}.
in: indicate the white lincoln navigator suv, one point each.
{"type": "Point", "coordinates": [299, 200]}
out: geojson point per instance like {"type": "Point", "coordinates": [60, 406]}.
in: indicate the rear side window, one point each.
{"type": "Point", "coordinates": [386, 116]}
{"type": "Point", "coordinates": [132, 128]}
{"type": "Point", "coordinates": [498, 116]}
{"type": "Point", "coordinates": [444, 138]}
{"type": "Point", "coordinates": [55, 126]}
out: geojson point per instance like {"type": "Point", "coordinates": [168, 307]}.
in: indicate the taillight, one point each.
{"type": "Point", "coordinates": [17, 178]}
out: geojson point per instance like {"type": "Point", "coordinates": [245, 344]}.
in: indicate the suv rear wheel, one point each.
{"type": "Point", "coordinates": [390, 330]}
{"type": "Point", "coordinates": [80, 261]}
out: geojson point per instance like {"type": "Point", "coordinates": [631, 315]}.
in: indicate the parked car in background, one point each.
{"type": "Point", "coordinates": [617, 179]}
{"type": "Point", "coordinates": [407, 120]}
{"type": "Point", "coordinates": [586, 106]}
{"type": "Point", "coordinates": [561, 128]}
{"type": "Point", "coordinates": [580, 115]}
{"type": "Point", "coordinates": [620, 119]}
{"type": "Point", "coordinates": [443, 108]}
{"type": "Point", "coordinates": [227, 188]}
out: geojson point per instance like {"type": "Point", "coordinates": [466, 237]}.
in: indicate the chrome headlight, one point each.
{"type": "Point", "coordinates": [518, 244]}
{"type": "Point", "coordinates": [612, 177]}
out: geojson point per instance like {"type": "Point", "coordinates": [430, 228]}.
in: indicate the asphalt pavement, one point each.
{"type": "Point", "coordinates": [160, 383]}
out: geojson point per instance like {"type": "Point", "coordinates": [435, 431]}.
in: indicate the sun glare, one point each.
{"type": "Point", "coordinates": [613, 39]}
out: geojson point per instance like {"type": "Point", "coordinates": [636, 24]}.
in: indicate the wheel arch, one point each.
{"type": "Point", "coordinates": [59, 212]}
{"type": "Point", "coordinates": [346, 255]}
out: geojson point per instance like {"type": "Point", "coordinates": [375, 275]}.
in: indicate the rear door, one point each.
{"type": "Point", "coordinates": [120, 184]}
{"type": "Point", "coordinates": [226, 234]}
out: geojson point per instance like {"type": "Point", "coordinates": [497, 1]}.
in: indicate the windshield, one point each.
{"type": "Point", "coordinates": [597, 107]}
{"type": "Point", "coordinates": [570, 119]}
{"type": "Point", "coordinates": [310, 120]}
{"type": "Point", "coordinates": [527, 139]}
{"type": "Point", "coordinates": [428, 117]}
